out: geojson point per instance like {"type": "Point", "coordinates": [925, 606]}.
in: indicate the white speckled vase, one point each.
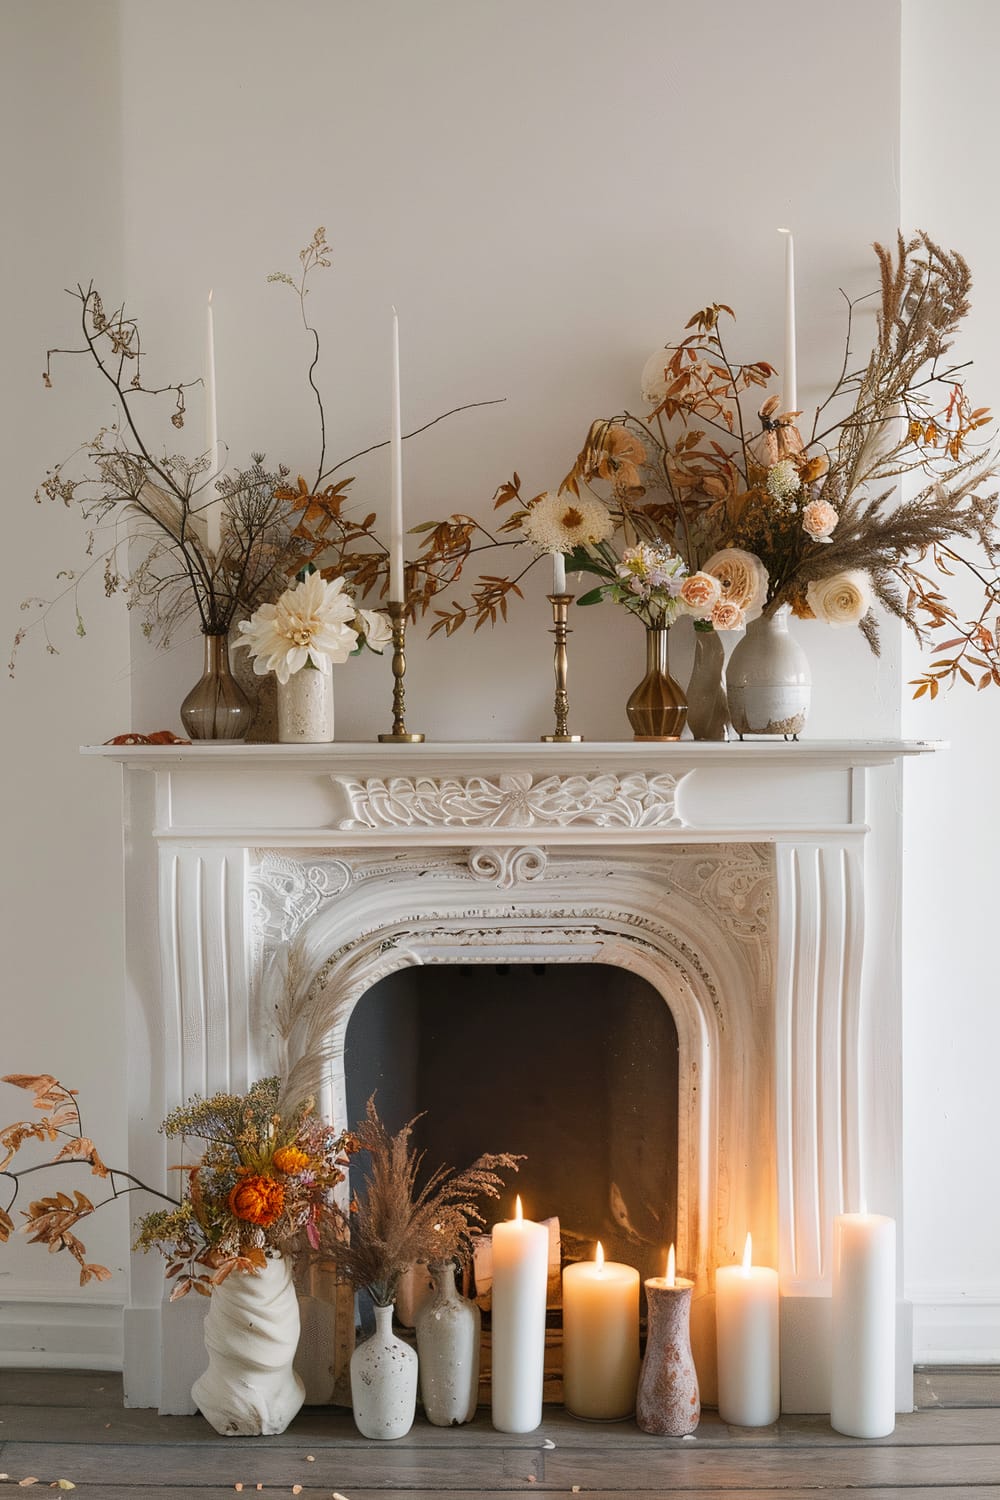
{"type": "Point", "coordinates": [305, 708]}
{"type": "Point", "coordinates": [768, 680]}
{"type": "Point", "coordinates": [383, 1382]}
{"type": "Point", "coordinates": [448, 1334]}
{"type": "Point", "coordinates": [251, 1333]}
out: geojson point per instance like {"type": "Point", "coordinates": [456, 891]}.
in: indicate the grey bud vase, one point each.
{"type": "Point", "coordinates": [448, 1335]}
{"type": "Point", "coordinates": [217, 708]}
{"type": "Point", "coordinates": [708, 707]}
{"type": "Point", "coordinates": [668, 1403]}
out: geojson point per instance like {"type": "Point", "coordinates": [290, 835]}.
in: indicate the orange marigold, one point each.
{"type": "Point", "coordinates": [259, 1200]}
{"type": "Point", "coordinates": [290, 1160]}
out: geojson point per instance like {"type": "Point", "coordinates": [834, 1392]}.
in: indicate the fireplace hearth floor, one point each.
{"type": "Point", "coordinates": [72, 1425]}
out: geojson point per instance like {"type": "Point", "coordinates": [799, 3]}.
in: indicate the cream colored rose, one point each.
{"type": "Point", "coordinates": [726, 616]}
{"type": "Point", "coordinates": [700, 593]}
{"type": "Point", "coordinates": [377, 629]}
{"type": "Point", "coordinates": [843, 599]}
{"type": "Point", "coordinates": [743, 578]}
{"type": "Point", "coordinates": [818, 520]}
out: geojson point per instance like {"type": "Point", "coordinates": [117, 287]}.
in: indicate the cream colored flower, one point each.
{"type": "Point", "coordinates": [309, 623]}
{"type": "Point", "coordinates": [726, 616]}
{"type": "Point", "coordinates": [700, 593]}
{"type": "Point", "coordinates": [653, 381]}
{"type": "Point", "coordinates": [558, 523]}
{"type": "Point", "coordinates": [818, 520]}
{"type": "Point", "coordinates": [843, 599]}
{"type": "Point", "coordinates": [743, 578]}
{"type": "Point", "coordinates": [376, 627]}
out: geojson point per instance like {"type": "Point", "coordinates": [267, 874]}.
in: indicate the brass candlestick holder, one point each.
{"type": "Point", "coordinates": [560, 613]}
{"type": "Point", "coordinates": [399, 735]}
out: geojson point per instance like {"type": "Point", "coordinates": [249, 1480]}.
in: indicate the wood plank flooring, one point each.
{"type": "Point", "coordinates": [71, 1425]}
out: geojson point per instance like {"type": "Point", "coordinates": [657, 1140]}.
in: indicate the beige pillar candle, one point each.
{"type": "Point", "coordinates": [600, 1338]}
{"type": "Point", "coordinates": [746, 1320]}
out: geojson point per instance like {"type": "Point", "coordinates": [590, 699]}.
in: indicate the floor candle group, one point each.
{"type": "Point", "coordinates": [601, 1365]}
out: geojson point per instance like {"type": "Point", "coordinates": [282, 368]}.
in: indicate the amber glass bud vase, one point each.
{"type": "Point", "coordinates": [217, 708]}
{"type": "Point", "coordinates": [657, 710]}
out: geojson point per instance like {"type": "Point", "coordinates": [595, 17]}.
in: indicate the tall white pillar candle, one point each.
{"type": "Point", "coordinates": [600, 1338]}
{"type": "Point", "coordinates": [396, 574]}
{"type": "Point", "coordinates": [790, 399]}
{"type": "Point", "coordinates": [520, 1283]}
{"type": "Point", "coordinates": [558, 573]}
{"type": "Point", "coordinates": [746, 1322]}
{"type": "Point", "coordinates": [864, 1325]}
{"type": "Point", "coordinates": [213, 512]}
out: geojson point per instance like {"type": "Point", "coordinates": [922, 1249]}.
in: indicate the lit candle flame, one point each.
{"type": "Point", "coordinates": [671, 1267]}
{"type": "Point", "coordinates": [518, 1210]}
{"type": "Point", "coordinates": [599, 1257]}
{"type": "Point", "coordinates": [747, 1255]}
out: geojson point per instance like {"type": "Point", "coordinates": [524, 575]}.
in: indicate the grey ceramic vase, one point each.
{"type": "Point", "coordinates": [769, 681]}
{"type": "Point", "coordinates": [708, 707]}
{"type": "Point", "coordinates": [448, 1334]}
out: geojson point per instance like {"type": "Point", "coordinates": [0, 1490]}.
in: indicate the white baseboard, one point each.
{"type": "Point", "coordinates": [956, 1330]}
{"type": "Point", "coordinates": [57, 1334]}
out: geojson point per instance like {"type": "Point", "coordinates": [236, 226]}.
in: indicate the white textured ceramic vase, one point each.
{"type": "Point", "coordinates": [251, 1333]}
{"type": "Point", "coordinates": [305, 708]}
{"type": "Point", "coordinates": [768, 680]}
{"type": "Point", "coordinates": [383, 1382]}
{"type": "Point", "coordinates": [448, 1336]}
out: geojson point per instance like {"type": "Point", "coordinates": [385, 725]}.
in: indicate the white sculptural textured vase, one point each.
{"type": "Point", "coordinates": [383, 1382]}
{"type": "Point", "coordinates": [768, 681]}
{"type": "Point", "coordinates": [251, 1334]}
{"type": "Point", "coordinates": [305, 708]}
{"type": "Point", "coordinates": [448, 1336]}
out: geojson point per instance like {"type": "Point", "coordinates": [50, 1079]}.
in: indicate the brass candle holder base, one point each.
{"type": "Point", "coordinates": [560, 629]}
{"type": "Point", "coordinates": [399, 734]}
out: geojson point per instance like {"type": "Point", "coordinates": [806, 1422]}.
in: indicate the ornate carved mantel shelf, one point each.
{"type": "Point", "coordinates": [326, 795]}
{"type": "Point", "coordinates": [754, 885]}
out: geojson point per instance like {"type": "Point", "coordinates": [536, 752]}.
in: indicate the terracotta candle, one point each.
{"type": "Point", "coordinates": [746, 1321]}
{"type": "Point", "coordinates": [600, 1338]}
{"type": "Point", "coordinates": [520, 1283]}
{"type": "Point", "coordinates": [790, 400]}
{"type": "Point", "coordinates": [213, 510]}
{"type": "Point", "coordinates": [668, 1403]}
{"type": "Point", "coordinates": [396, 576]}
{"type": "Point", "coordinates": [863, 1393]}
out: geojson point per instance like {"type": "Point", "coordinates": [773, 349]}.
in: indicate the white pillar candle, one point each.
{"type": "Point", "coordinates": [746, 1323]}
{"type": "Point", "coordinates": [520, 1283]}
{"type": "Point", "coordinates": [558, 573]}
{"type": "Point", "coordinates": [863, 1393]}
{"type": "Point", "coordinates": [213, 512]}
{"type": "Point", "coordinates": [790, 401]}
{"type": "Point", "coordinates": [396, 575]}
{"type": "Point", "coordinates": [600, 1338]}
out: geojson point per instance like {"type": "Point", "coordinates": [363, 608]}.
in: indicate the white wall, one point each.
{"type": "Point", "coordinates": [951, 1010]}
{"type": "Point", "coordinates": [545, 188]}
{"type": "Point", "coordinates": [60, 900]}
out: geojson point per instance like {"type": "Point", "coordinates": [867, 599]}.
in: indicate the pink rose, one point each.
{"type": "Point", "coordinates": [818, 519]}
{"type": "Point", "coordinates": [700, 593]}
{"type": "Point", "coordinates": [727, 616]}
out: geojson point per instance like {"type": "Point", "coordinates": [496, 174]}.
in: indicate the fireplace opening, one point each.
{"type": "Point", "coordinates": [573, 1065]}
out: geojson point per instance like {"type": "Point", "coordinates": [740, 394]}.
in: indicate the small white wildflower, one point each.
{"type": "Point", "coordinates": [783, 480]}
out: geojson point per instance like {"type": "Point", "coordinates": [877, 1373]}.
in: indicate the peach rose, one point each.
{"type": "Point", "coordinates": [743, 578]}
{"type": "Point", "coordinates": [818, 520]}
{"type": "Point", "coordinates": [843, 599]}
{"type": "Point", "coordinates": [726, 616]}
{"type": "Point", "coordinates": [701, 593]}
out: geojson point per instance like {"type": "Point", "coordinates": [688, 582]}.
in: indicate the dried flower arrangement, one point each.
{"type": "Point", "coordinates": [266, 1177]}
{"type": "Point", "coordinates": [396, 1223]}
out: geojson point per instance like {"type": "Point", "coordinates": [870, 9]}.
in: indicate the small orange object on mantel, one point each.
{"type": "Point", "coordinates": [158, 737]}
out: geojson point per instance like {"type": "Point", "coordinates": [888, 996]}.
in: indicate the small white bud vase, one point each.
{"type": "Point", "coordinates": [383, 1382]}
{"type": "Point", "coordinates": [448, 1336]}
{"type": "Point", "coordinates": [305, 708]}
{"type": "Point", "coordinates": [251, 1334]}
{"type": "Point", "coordinates": [768, 681]}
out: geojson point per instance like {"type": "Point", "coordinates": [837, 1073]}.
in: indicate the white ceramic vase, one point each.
{"type": "Point", "coordinates": [448, 1335]}
{"type": "Point", "coordinates": [305, 708]}
{"type": "Point", "coordinates": [768, 680]}
{"type": "Point", "coordinates": [251, 1333]}
{"type": "Point", "coordinates": [383, 1382]}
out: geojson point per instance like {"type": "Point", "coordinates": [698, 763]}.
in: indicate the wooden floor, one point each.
{"type": "Point", "coordinates": [72, 1426]}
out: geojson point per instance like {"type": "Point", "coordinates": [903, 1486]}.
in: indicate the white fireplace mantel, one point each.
{"type": "Point", "coordinates": [751, 883]}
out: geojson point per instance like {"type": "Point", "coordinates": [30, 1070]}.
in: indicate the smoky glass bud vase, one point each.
{"type": "Point", "coordinates": [217, 708]}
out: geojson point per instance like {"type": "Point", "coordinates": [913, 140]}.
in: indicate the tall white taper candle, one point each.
{"type": "Point", "coordinates": [790, 396]}
{"type": "Point", "coordinates": [396, 575]}
{"type": "Point", "coordinates": [520, 1283]}
{"type": "Point", "coordinates": [213, 512]}
{"type": "Point", "coordinates": [558, 573]}
{"type": "Point", "coordinates": [863, 1387]}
